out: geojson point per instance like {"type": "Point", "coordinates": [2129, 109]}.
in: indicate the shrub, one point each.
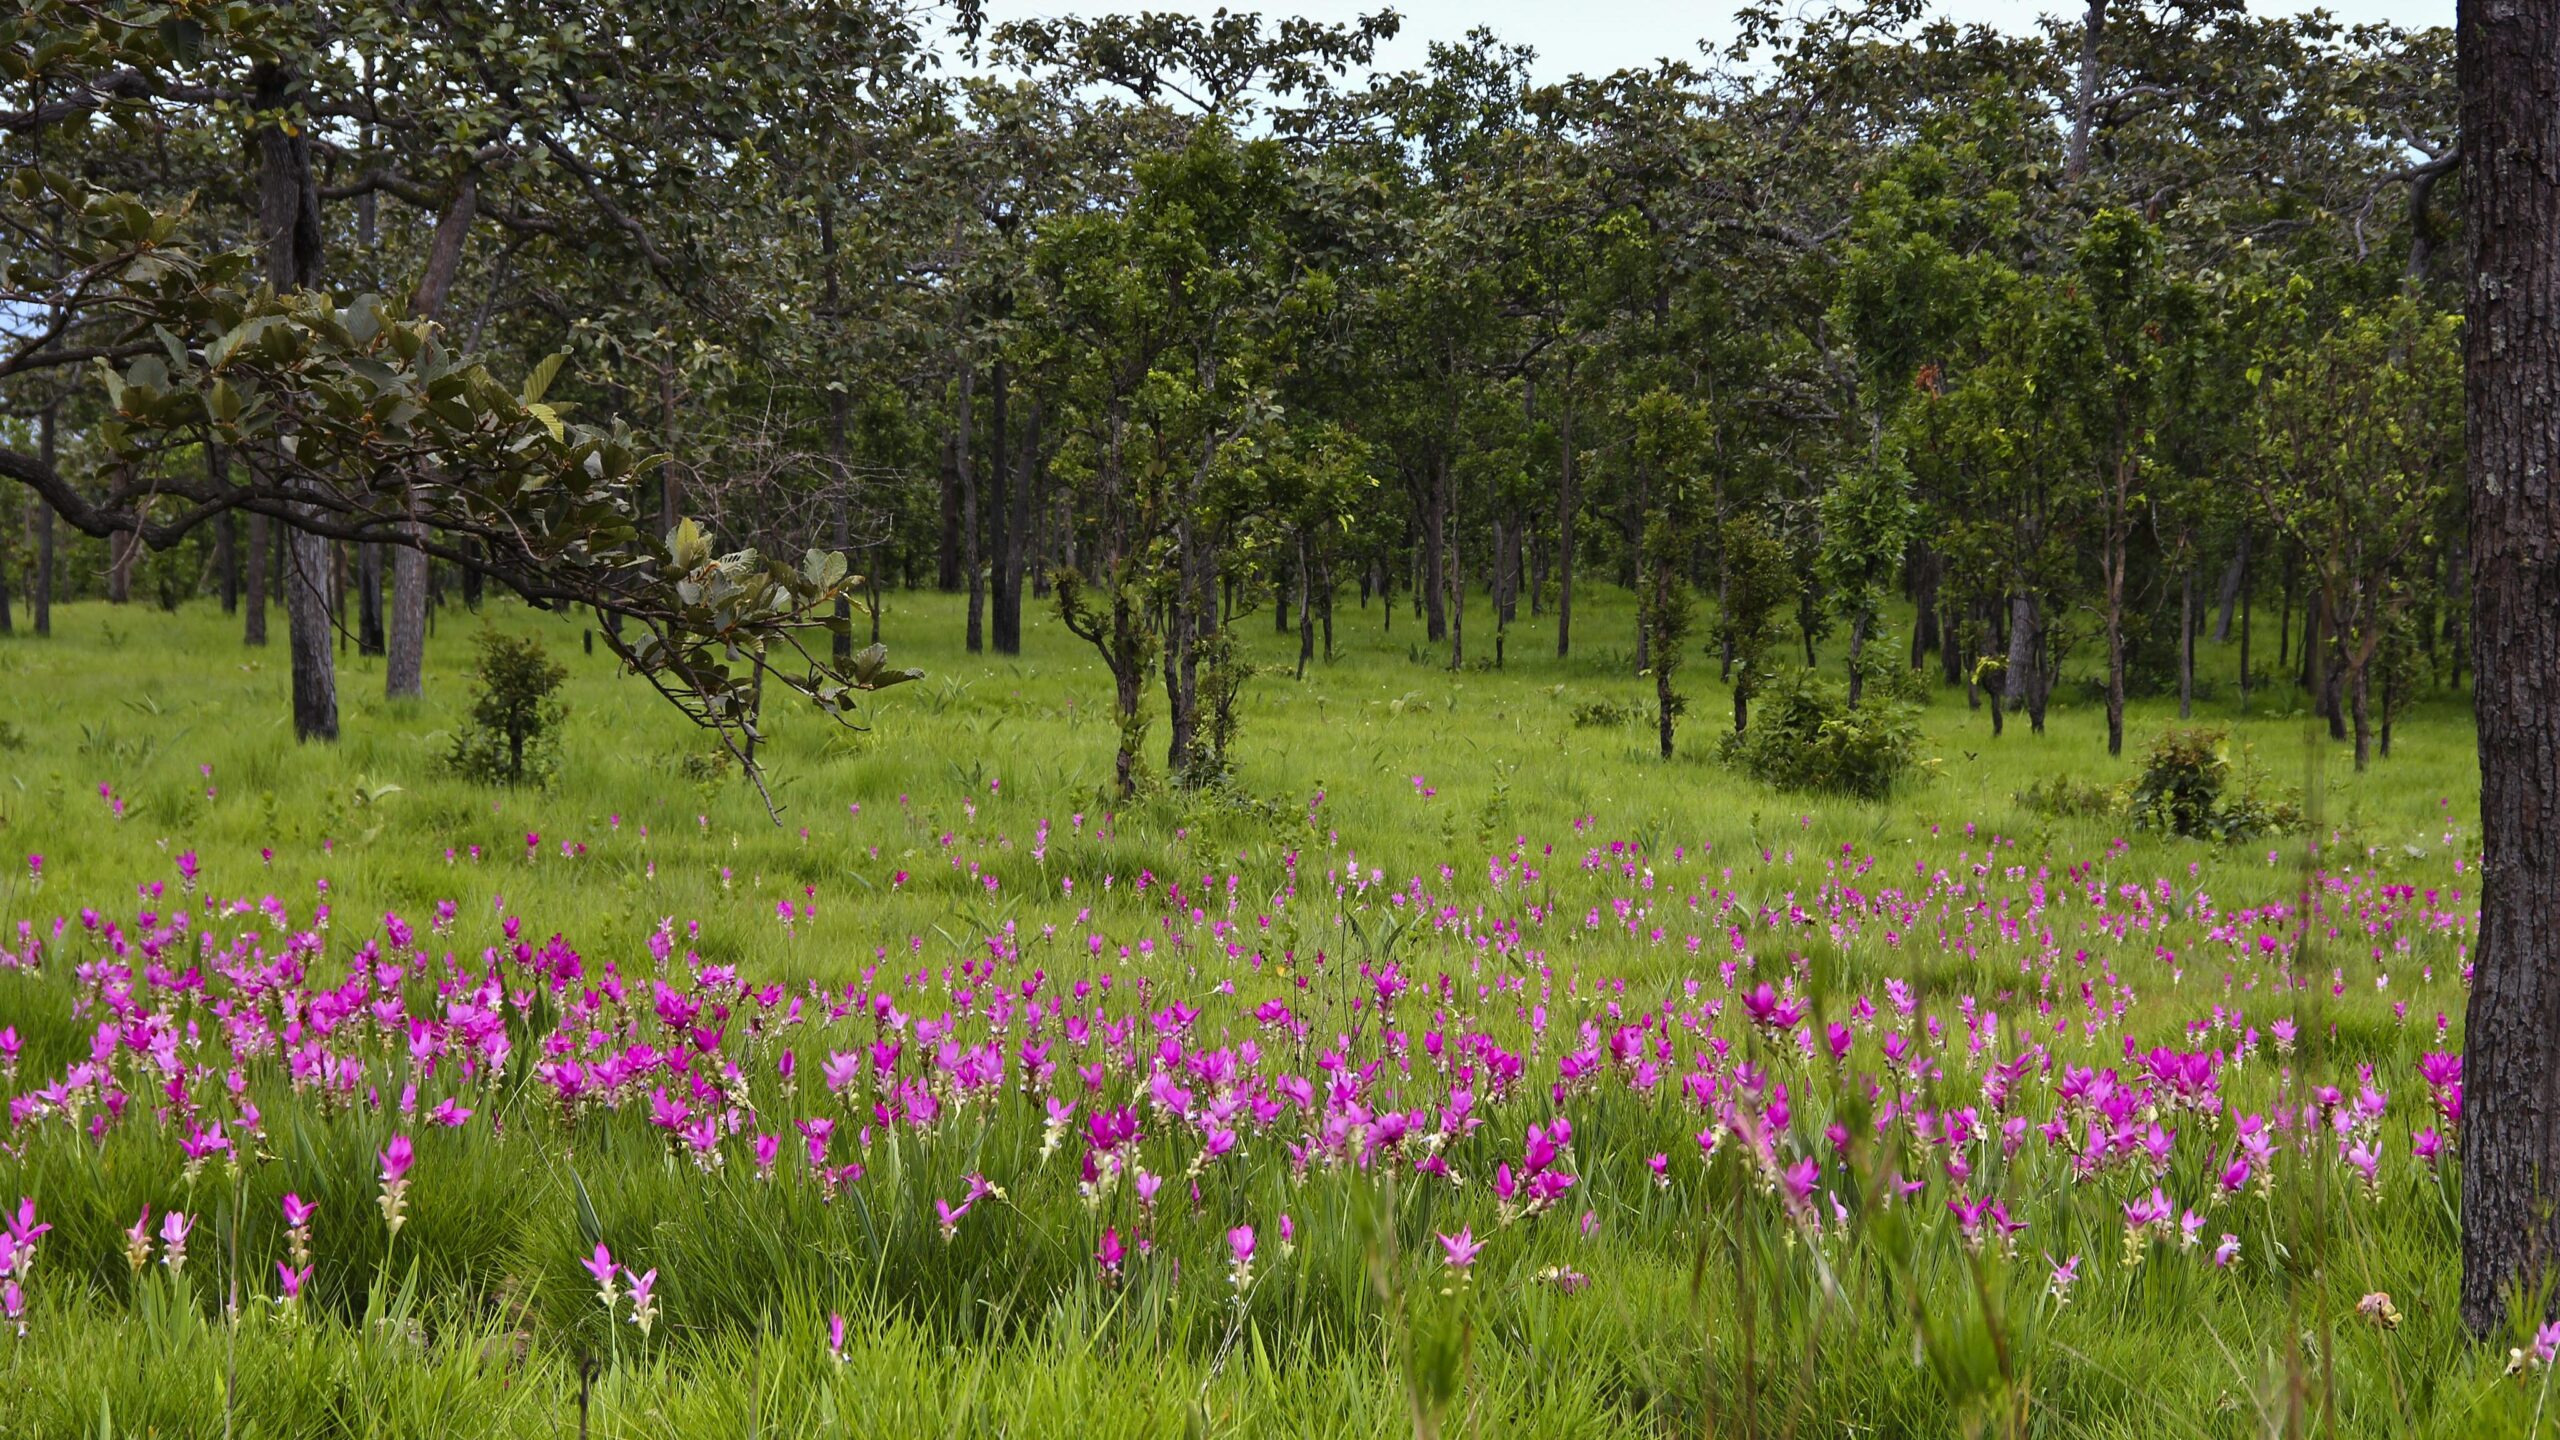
{"type": "Point", "coordinates": [513, 737]}
{"type": "Point", "coordinates": [2059, 797]}
{"type": "Point", "coordinates": [1605, 714]}
{"type": "Point", "coordinates": [1804, 736]}
{"type": "Point", "coordinates": [2181, 791]}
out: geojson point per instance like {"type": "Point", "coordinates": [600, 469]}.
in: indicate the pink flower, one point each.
{"type": "Point", "coordinates": [1109, 1254]}
{"type": "Point", "coordinates": [289, 1281]}
{"type": "Point", "coordinates": [644, 1310]}
{"type": "Point", "coordinates": [395, 1160]}
{"type": "Point", "coordinates": [174, 1229]}
{"type": "Point", "coordinates": [1462, 1249]}
{"type": "Point", "coordinates": [835, 1335]}
{"type": "Point", "coordinates": [449, 1114]}
{"type": "Point", "coordinates": [601, 1265]}
{"type": "Point", "coordinates": [298, 1211]}
{"type": "Point", "coordinates": [2227, 1251]}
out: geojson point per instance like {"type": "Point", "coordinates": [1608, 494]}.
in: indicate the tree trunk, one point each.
{"type": "Point", "coordinates": [946, 570]}
{"type": "Point", "coordinates": [2186, 644]}
{"type": "Point", "coordinates": [967, 465]}
{"type": "Point", "coordinates": [2245, 597]}
{"type": "Point", "coordinates": [40, 593]}
{"type": "Point", "coordinates": [404, 667]}
{"type": "Point", "coordinates": [2093, 27]}
{"type": "Point", "coordinates": [1565, 505]}
{"type": "Point", "coordinates": [124, 550]}
{"type": "Point", "coordinates": [2233, 579]}
{"type": "Point", "coordinates": [253, 620]}
{"type": "Point", "coordinates": [1435, 551]}
{"type": "Point", "coordinates": [2510, 1134]}
{"type": "Point", "coordinates": [1857, 651]}
{"type": "Point", "coordinates": [289, 216]}
{"type": "Point", "coordinates": [226, 535]}
{"type": "Point", "coordinates": [1306, 608]}
{"type": "Point", "coordinates": [370, 639]}
{"type": "Point", "coordinates": [2019, 678]}
{"type": "Point", "coordinates": [1002, 583]}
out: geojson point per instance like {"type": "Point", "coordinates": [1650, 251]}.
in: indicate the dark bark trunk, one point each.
{"type": "Point", "coordinates": [253, 620]}
{"type": "Point", "coordinates": [1306, 608]}
{"type": "Point", "coordinates": [1857, 651]}
{"type": "Point", "coordinates": [1565, 505]}
{"type": "Point", "coordinates": [2234, 579]}
{"type": "Point", "coordinates": [971, 562]}
{"type": "Point", "coordinates": [124, 551]}
{"type": "Point", "coordinates": [2510, 1134]}
{"type": "Point", "coordinates": [40, 592]}
{"type": "Point", "coordinates": [1435, 547]}
{"type": "Point", "coordinates": [946, 570]}
{"type": "Point", "coordinates": [370, 639]}
{"type": "Point", "coordinates": [1004, 582]}
{"type": "Point", "coordinates": [2186, 644]}
{"type": "Point", "coordinates": [2093, 28]}
{"type": "Point", "coordinates": [226, 535]}
{"type": "Point", "coordinates": [289, 217]}
{"type": "Point", "coordinates": [2019, 679]}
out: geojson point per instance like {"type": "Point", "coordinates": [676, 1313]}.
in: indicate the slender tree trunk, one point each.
{"type": "Point", "coordinates": [2186, 644]}
{"type": "Point", "coordinates": [2246, 592]}
{"type": "Point", "coordinates": [1454, 577]}
{"type": "Point", "coordinates": [370, 639]}
{"type": "Point", "coordinates": [2510, 1135]}
{"type": "Point", "coordinates": [1857, 651]}
{"type": "Point", "coordinates": [253, 619]}
{"type": "Point", "coordinates": [2093, 28]}
{"type": "Point", "coordinates": [1435, 548]}
{"type": "Point", "coordinates": [289, 216]}
{"type": "Point", "coordinates": [1566, 503]}
{"type": "Point", "coordinates": [1001, 548]}
{"type": "Point", "coordinates": [40, 593]}
{"type": "Point", "coordinates": [404, 665]}
{"type": "Point", "coordinates": [2234, 580]}
{"type": "Point", "coordinates": [1306, 608]}
{"type": "Point", "coordinates": [946, 571]}
{"type": "Point", "coordinates": [970, 558]}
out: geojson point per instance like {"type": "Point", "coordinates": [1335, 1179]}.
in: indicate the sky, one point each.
{"type": "Point", "coordinates": [1598, 36]}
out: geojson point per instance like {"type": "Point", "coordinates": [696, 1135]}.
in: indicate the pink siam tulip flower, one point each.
{"type": "Point", "coordinates": [1461, 1249]}
{"type": "Point", "coordinates": [1240, 1245]}
{"type": "Point", "coordinates": [1109, 1254]}
{"type": "Point", "coordinates": [835, 1336]}
{"type": "Point", "coordinates": [174, 1229]}
{"type": "Point", "coordinates": [644, 1306]}
{"type": "Point", "coordinates": [601, 1265]}
{"type": "Point", "coordinates": [289, 1281]}
{"type": "Point", "coordinates": [395, 1182]}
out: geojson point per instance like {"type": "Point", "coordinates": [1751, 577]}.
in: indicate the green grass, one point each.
{"type": "Point", "coordinates": [1708, 1307]}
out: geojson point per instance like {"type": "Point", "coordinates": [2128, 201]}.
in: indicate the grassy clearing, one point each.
{"type": "Point", "coordinates": [1426, 886]}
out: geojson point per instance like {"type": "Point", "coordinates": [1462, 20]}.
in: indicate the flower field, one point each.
{"type": "Point", "coordinates": [1438, 1103]}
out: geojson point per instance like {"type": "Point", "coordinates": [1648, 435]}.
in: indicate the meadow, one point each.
{"type": "Point", "coordinates": [1462, 1069]}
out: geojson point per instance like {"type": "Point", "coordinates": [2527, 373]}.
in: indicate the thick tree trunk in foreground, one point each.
{"type": "Point", "coordinates": [2510, 1138]}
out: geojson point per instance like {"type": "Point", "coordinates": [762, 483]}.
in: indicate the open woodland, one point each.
{"type": "Point", "coordinates": [829, 718]}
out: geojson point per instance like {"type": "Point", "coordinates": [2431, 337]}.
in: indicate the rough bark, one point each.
{"type": "Point", "coordinates": [2510, 1138]}
{"type": "Point", "coordinates": [253, 617]}
{"type": "Point", "coordinates": [289, 217]}
{"type": "Point", "coordinates": [965, 463]}
{"type": "Point", "coordinates": [404, 665]}
{"type": "Point", "coordinates": [2084, 108]}
{"type": "Point", "coordinates": [1565, 503]}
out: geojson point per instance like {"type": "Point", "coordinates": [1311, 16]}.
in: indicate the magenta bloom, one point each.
{"type": "Point", "coordinates": [1109, 1254]}
{"type": "Point", "coordinates": [449, 1114]}
{"type": "Point", "coordinates": [601, 1265]}
{"type": "Point", "coordinates": [835, 1335]}
{"type": "Point", "coordinates": [1462, 1249]}
{"type": "Point", "coordinates": [1240, 1243]}
{"type": "Point", "coordinates": [298, 1211]}
{"type": "Point", "coordinates": [289, 1281]}
{"type": "Point", "coordinates": [395, 1160]}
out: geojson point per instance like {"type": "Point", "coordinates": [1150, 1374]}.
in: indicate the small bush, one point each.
{"type": "Point", "coordinates": [2182, 791]}
{"type": "Point", "coordinates": [1604, 714]}
{"type": "Point", "coordinates": [513, 737]}
{"type": "Point", "coordinates": [1804, 736]}
{"type": "Point", "coordinates": [2059, 797]}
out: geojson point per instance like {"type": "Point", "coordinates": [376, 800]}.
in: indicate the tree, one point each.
{"type": "Point", "coordinates": [2511, 397]}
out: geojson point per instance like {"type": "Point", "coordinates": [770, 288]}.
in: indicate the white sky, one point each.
{"type": "Point", "coordinates": [1598, 36]}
